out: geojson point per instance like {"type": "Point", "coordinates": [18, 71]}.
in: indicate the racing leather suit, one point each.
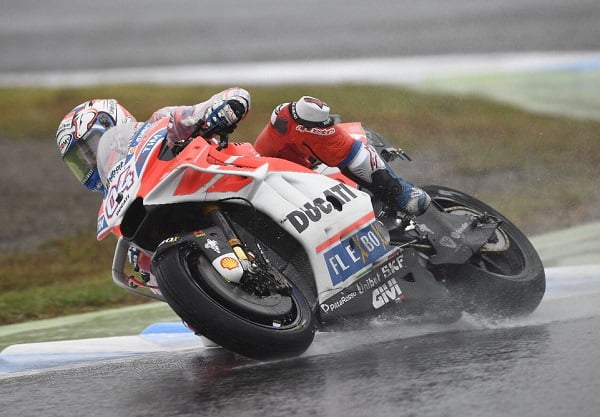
{"type": "Point", "coordinates": [286, 137]}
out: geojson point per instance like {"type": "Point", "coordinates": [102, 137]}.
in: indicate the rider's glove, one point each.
{"type": "Point", "coordinates": [222, 118]}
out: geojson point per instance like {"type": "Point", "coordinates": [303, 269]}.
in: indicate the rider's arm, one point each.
{"type": "Point", "coordinates": [187, 120]}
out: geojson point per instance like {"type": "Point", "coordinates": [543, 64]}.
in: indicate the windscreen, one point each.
{"type": "Point", "coordinates": [114, 147]}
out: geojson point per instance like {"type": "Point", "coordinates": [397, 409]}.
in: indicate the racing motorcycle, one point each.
{"type": "Point", "coordinates": [257, 253]}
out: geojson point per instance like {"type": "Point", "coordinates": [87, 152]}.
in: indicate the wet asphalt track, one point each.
{"type": "Point", "coordinates": [547, 366]}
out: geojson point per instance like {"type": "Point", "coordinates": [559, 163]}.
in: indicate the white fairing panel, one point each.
{"type": "Point", "coordinates": [321, 213]}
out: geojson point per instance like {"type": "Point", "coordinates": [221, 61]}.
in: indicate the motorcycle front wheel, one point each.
{"type": "Point", "coordinates": [506, 277]}
{"type": "Point", "coordinates": [266, 326]}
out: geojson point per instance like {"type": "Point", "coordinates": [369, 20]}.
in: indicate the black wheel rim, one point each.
{"type": "Point", "coordinates": [228, 296]}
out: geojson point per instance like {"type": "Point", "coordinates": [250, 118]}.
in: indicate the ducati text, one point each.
{"type": "Point", "coordinates": [313, 211]}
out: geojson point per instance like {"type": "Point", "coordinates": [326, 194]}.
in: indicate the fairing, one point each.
{"type": "Point", "coordinates": [333, 221]}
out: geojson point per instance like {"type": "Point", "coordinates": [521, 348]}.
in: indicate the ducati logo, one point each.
{"type": "Point", "coordinates": [313, 211]}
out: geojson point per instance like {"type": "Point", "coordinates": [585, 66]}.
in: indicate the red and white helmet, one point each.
{"type": "Point", "coordinates": [79, 132]}
{"type": "Point", "coordinates": [310, 111]}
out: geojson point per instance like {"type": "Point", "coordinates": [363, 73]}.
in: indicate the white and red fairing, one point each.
{"type": "Point", "coordinates": [318, 210]}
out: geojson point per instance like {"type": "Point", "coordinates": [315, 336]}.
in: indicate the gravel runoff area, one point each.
{"type": "Point", "coordinates": [41, 200]}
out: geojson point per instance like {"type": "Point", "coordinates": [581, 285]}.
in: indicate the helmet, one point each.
{"type": "Point", "coordinates": [80, 131]}
{"type": "Point", "coordinates": [310, 111]}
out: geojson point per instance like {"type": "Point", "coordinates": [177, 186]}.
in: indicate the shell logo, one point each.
{"type": "Point", "coordinates": [229, 263]}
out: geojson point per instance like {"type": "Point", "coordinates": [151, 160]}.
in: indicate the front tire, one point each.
{"type": "Point", "coordinates": [279, 326]}
{"type": "Point", "coordinates": [506, 277]}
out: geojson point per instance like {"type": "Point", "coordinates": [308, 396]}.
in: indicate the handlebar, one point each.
{"type": "Point", "coordinates": [223, 137]}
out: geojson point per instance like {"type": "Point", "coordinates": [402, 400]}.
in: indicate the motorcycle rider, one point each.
{"type": "Point", "coordinates": [303, 131]}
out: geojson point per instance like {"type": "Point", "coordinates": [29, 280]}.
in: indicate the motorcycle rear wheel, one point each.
{"type": "Point", "coordinates": [282, 325]}
{"type": "Point", "coordinates": [504, 279]}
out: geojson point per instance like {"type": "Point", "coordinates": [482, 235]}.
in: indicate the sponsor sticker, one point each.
{"type": "Point", "coordinates": [63, 143]}
{"type": "Point", "coordinates": [102, 225]}
{"type": "Point", "coordinates": [213, 245]}
{"type": "Point", "coordinates": [331, 307]}
{"type": "Point", "coordinates": [354, 253]}
{"type": "Point", "coordinates": [150, 144]}
{"type": "Point", "coordinates": [313, 211]}
{"type": "Point", "coordinates": [389, 291]}
{"type": "Point", "coordinates": [316, 131]}
{"type": "Point", "coordinates": [115, 197]}
{"type": "Point", "coordinates": [171, 239]}
{"type": "Point", "coordinates": [447, 242]}
{"type": "Point", "coordinates": [229, 263]}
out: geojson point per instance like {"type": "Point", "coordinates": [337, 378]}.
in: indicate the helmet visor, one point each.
{"type": "Point", "coordinates": [81, 156]}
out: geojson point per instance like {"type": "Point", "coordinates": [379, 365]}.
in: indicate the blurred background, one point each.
{"type": "Point", "coordinates": [66, 35]}
{"type": "Point", "coordinates": [540, 55]}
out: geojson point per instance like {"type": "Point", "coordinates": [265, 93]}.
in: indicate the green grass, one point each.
{"type": "Point", "coordinates": [62, 277]}
{"type": "Point", "coordinates": [541, 171]}
{"type": "Point", "coordinates": [561, 92]}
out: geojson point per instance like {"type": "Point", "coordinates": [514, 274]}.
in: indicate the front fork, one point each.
{"type": "Point", "coordinates": [214, 213]}
{"type": "Point", "coordinates": [258, 277]}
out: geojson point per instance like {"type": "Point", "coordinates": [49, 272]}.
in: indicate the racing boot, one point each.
{"type": "Point", "coordinates": [393, 189]}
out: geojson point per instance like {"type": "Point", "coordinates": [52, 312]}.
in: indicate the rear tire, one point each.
{"type": "Point", "coordinates": [501, 280]}
{"type": "Point", "coordinates": [187, 281]}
